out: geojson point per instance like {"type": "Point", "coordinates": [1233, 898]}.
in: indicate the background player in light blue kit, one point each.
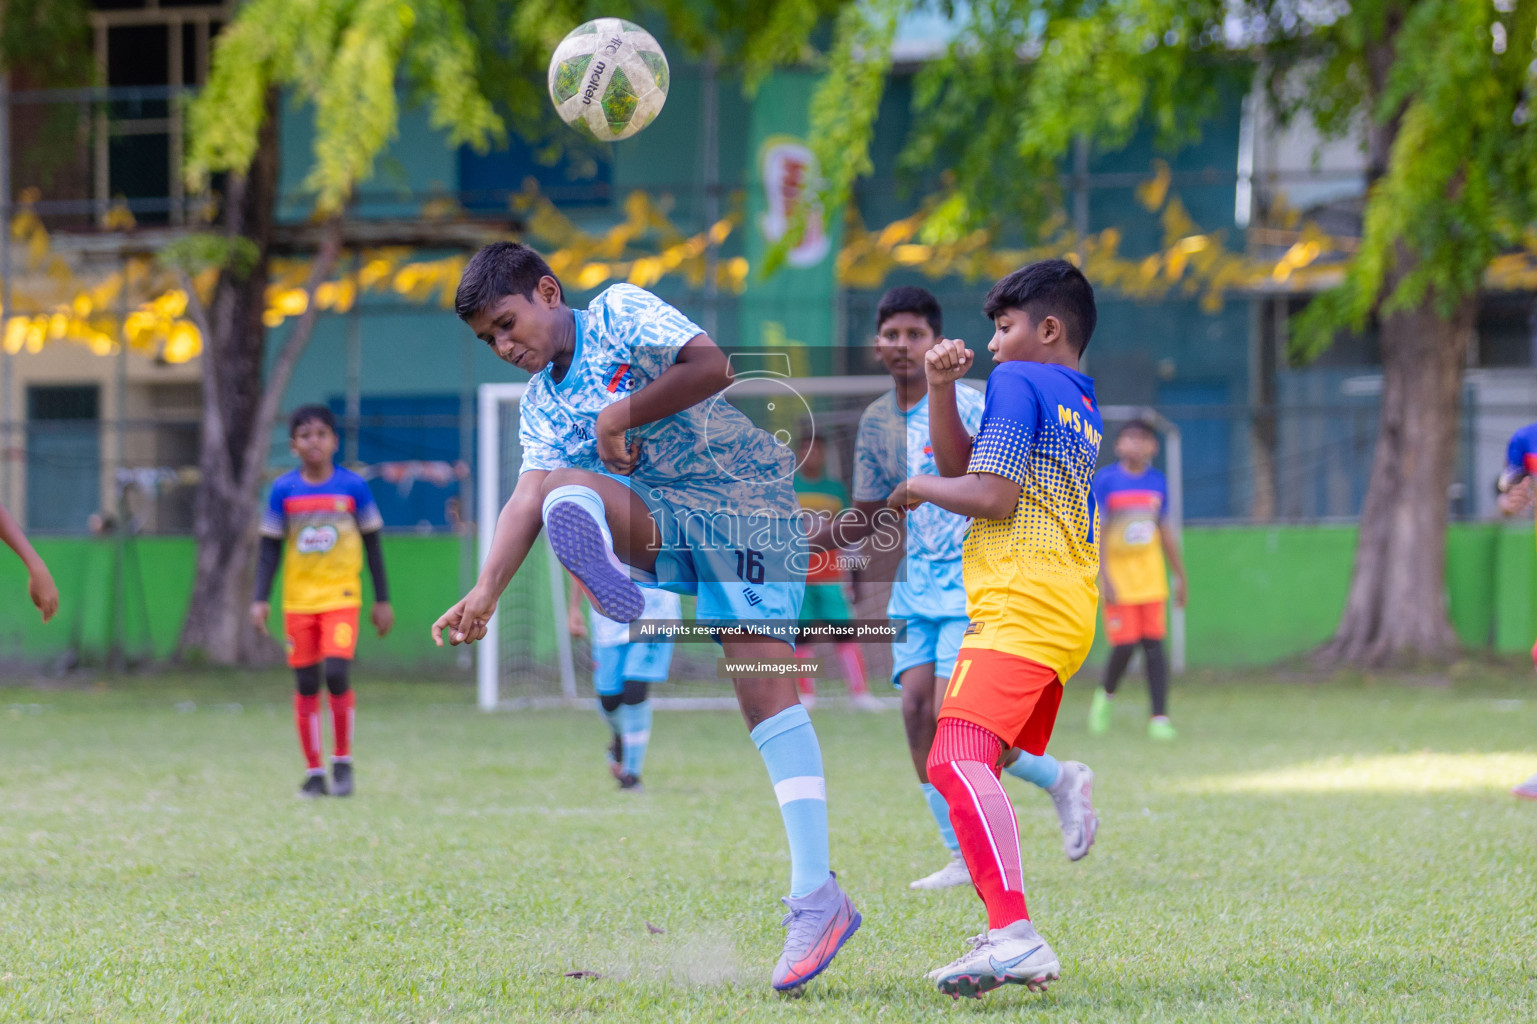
{"type": "Point", "coordinates": [636, 466]}
{"type": "Point", "coordinates": [622, 674]}
{"type": "Point", "coordinates": [892, 445]}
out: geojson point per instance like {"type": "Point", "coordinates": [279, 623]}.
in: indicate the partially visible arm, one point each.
{"type": "Point", "coordinates": [375, 552]}
{"type": "Point", "coordinates": [853, 525]}
{"type": "Point", "coordinates": [517, 527]}
{"type": "Point", "coordinates": [700, 371]}
{"type": "Point", "coordinates": [382, 615]}
{"type": "Point", "coordinates": [1176, 563]}
{"type": "Point", "coordinates": [40, 585]}
{"type": "Point", "coordinates": [943, 366]}
{"type": "Point", "coordinates": [574, 621]}
{"type": "Point", "coordinates": [269, 555]}
{"type": "Point", "coordinates": [978, 495]}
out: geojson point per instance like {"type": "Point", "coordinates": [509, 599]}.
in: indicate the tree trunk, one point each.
{"type": "Point", "coordinates": [1396, 611]}
{"type": "Point", "coordinates": [238, 413]}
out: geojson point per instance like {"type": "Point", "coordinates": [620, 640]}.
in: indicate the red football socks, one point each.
{"type": "Point", "coordinates": [307, 721]}
{"type": "Point", "coordinates": [963, 767]}
{"type": "Point", "coordinates": [341, 720]}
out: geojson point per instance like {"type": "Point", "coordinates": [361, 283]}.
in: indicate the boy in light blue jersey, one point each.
{"type": "Point", "coordinates": [892, 445]}
{"type": "Point", "coordinates": [640, 470]}
{"type": "Point", "coordinates": [622, 674]}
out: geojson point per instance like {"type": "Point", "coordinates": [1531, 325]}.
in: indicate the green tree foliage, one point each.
{"type": "Point", "coordinates": [1449, 83]}
{"type": "Point", "coordinates": [47, 40]}
{"type": "Point", "coordinates": [345, 58]}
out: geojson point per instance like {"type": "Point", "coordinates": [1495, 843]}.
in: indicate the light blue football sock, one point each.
{"type": "Point", "coordinates": [1041, 769]}
{"type": "Point", "coordinates": [586, 498]}
{"type": "Point", "coordinates": [793, 757]}
{"type": "Point", "coordinates": [941, 812]}
{"type": "Point", "coordinates": [634, 734]}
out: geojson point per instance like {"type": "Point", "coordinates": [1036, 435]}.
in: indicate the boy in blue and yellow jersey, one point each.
{"type": "Point", "coordinates": [1029, 560]}
{"type": "Point", "coordinates": [1515, 487]}
{"type": "Point", "coordinates": [325, 518]}
{"type": "Point", "coordinates": [893, 444]}
{"type": "Point", "coordinates": [1138, 551]}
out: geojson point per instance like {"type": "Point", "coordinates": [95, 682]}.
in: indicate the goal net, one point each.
{"type": "Point", "coordinates": [529, 657]}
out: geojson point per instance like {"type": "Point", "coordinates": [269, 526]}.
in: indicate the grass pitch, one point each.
{"type": "Point", "coordinates": [1336, 852]}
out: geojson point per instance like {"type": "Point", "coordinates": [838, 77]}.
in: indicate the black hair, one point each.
{"type": "Point", "coordinates": [909, 298]}
{"type": "Point", "coordinates": [498, 270]}
{"type": "Point", "coordinates": [1048, 288]}
{"type": "Point", "coordinates": [310, 414]}
{"type": "Point", "coordinates": [1138, 424]}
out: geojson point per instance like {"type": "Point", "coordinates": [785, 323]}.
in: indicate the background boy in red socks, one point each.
{"type": "Point", "coordinates": [1138, 552]}
{"type": "Point", "coordinates": [329, 520]}
{"type": "Point", "coordinates": [1515, 488]}
{"type": "Point", "coordinates": [1030, 561]}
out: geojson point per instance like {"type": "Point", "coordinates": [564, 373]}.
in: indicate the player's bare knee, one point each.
{"type": "Point", "coordinates": [565, 477]}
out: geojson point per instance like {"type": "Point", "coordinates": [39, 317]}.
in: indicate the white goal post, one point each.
{"type": "Point", "coordinates": [528, 656]}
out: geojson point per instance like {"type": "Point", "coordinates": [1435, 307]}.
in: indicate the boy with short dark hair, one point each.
{"type": "Point", "coordinates": [1133, 498]}
{"type": "Point", "coordinates": [330, 521]}
{"type": "Point", "coordinates": [1030, 562]}
{"type": "Point", "coordinates": [892, 445]}
{"type": "Point", "coordinates": [637, 469]}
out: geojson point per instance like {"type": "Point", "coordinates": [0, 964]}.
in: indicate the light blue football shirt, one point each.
{"type": "Point", "coordinates": [709, 457]}
{"type": "Point", "coordinates": [890, 447]}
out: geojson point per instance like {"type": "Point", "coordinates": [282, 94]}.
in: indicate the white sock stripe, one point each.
{"type": "Point", "coordinates": [802, 787]}
{"type": "Point", "coordinates": [992, 803]}
{"type": "Point", "coordinates": [635, 737]}
{"type": "Point", "coordinates": [976, 802]}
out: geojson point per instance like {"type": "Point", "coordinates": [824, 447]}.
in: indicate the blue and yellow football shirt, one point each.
{"type": "Point", "coordinates": [323, 525]}
{"type": "Point", "coordinates": [1131, 508]}
{"type": "Point", "coordinates": [1030, 578]}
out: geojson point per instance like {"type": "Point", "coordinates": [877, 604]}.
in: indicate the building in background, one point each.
{"type": "Point", "coordinates": [1265, 438]}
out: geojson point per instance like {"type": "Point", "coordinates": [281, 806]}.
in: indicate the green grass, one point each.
{"type": "Point", "coordinates": [1344, 852]}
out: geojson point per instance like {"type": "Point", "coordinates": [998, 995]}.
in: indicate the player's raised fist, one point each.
{"type": "Point", "coordinates": [616, 451]}
{"type": "Point", "coordinates": [947, 361]}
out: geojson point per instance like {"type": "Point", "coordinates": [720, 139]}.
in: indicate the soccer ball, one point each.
{"type": "Point", "coordinates": [608, 79]}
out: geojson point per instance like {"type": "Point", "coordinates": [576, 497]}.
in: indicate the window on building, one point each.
{"type": "Point", "coordinates": [63, 457]}
{"type": "Point", "coordinates": [155, 47]}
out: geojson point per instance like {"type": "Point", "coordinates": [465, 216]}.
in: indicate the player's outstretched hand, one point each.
{"type": "Point", "coordinates": [466, 621]}
{"type": "Point", "coordinates": [261, 611]}
{"type": "Point", "coordinates": [576, 623]}
{"type": "Point", "coordinates": [618, 455]}
{"type": "Point", "coordinates": [43, 591]}
{"type": "Point", "coordinates": [1518, 499]}
{"type": "Point", "coordinates": [1181, 593]}
{"type": "Point", "coordinates": [947, 361]}
{"type": "Point", "coordinates": [383, 617]}
{"type": "Point", "coordinates": [902, 497]}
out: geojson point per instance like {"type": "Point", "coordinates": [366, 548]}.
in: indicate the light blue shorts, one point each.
{"type": "Point", "coordinates": [742, 569]}
{"type": "Point", "coordinates": [612, 667]}
{"type": "Point", "coordinates": [932, 601]}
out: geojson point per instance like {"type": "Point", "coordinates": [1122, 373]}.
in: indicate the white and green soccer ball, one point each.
{"type": "Point", "coordinates": [608, 79]}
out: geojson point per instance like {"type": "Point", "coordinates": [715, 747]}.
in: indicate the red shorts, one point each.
{"type": "Point", "coordinates": [1013, 698]}
{"type": "Point", "coordinates": [312, 636]}
{"type": "Point", "coordinates": [1129, 623]}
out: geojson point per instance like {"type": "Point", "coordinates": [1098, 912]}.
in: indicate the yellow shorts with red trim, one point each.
{"type": "Point", "coordinates": [313, 636]}
{"type": "Point", "coordinates": [1129, 623]}
{"type": "Point", "coordinates": [1013, 698]}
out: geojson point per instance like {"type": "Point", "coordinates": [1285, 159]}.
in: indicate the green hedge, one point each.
{"type": "Point", "coordinates": [1258, 593]}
